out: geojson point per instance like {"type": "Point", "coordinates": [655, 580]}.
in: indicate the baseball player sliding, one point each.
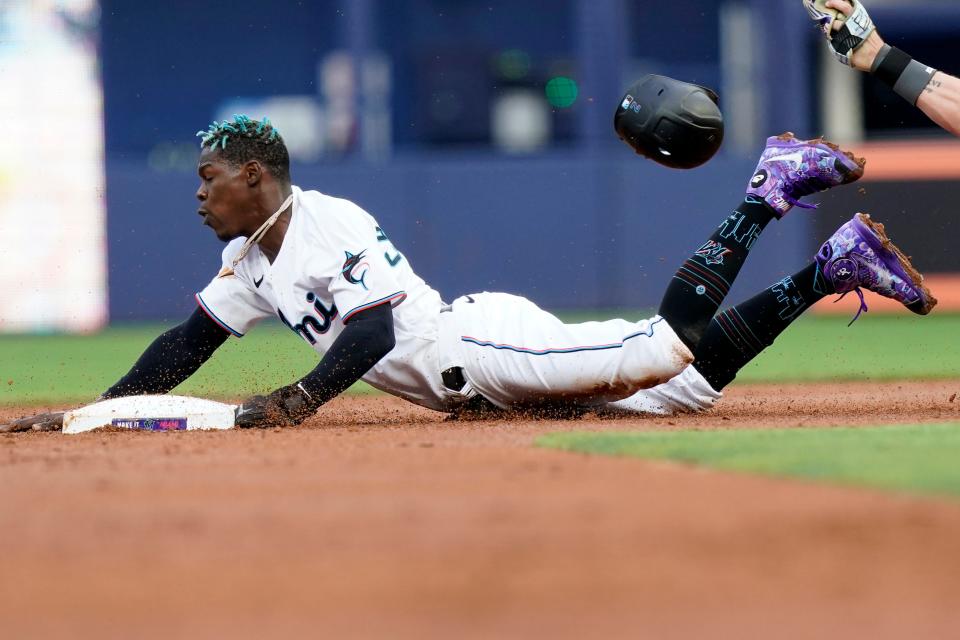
{"type": "Point", "coordinates": [330, 273]}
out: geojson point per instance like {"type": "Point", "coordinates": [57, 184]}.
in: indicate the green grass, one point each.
{"type": "Point", "coordinates": [63, 368]}
{"type": "Point", "coordinates": [912, 458]}
{"type": "Point", "coordinates": [880, 347]}
{"type": "Point", "coordinates": [58, 368]}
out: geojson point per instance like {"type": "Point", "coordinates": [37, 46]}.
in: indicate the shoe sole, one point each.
{"type": "Point", "coordinates": [927, 302]}
{"type": "Point", "coordinates": [850, 174]}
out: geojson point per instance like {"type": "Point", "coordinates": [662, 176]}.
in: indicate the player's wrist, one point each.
{"type": "Point", "coordinates": [896, 69]}
{"type": "Point", "coordinates": [865, 57]}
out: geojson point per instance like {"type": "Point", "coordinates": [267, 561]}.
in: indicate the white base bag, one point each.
{"type": "Point", "coordinates": [151, 413]}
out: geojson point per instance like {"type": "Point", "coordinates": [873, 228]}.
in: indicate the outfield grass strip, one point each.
{"type": "Point", "coordinates": [61, 369]}
{"type": "Point", "coordinates": [914, 458]}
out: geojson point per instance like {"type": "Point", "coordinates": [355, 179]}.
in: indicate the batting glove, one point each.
{"type": "Point", "coordinates": [41, 422]}
{"type": "Point", "coordinates": [285, 407]}
{"type": "Point", "coordinates": [844, 33]}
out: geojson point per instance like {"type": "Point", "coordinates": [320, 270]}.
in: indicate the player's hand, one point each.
{"type": "Point", "coordinates": [863, 56]}
{"type": "Point", "coordinates": [851, 35]}
{"type": "Point", "coordinates": [845, 7]}
{"type": "Point", "coordinates": [285, 407]}
{"type": "Point", "coordinates": [41, 422]}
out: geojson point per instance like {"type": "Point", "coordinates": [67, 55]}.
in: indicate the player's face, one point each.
{"type": "Point", "coordinates": [225, 198]}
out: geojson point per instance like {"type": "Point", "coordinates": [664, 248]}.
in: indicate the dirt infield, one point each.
{"type": "Point", "coordinates": [379, 519]}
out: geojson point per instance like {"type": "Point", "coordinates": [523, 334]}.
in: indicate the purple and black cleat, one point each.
{"type": "Point", "coordinates": [790, 169]}
{"type": "Point", "coordinates": [859, 254]}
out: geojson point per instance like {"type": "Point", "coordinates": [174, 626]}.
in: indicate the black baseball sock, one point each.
{"type": "Point", "coordinates": [699, 287]}
{"type": "Point", "coordinates": [737, 335]}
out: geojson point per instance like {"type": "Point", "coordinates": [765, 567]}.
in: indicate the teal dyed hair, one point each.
{"type": "Point", "coordinates": [248, 140]}
{"type": "Point", "coordinates": [218, 133]}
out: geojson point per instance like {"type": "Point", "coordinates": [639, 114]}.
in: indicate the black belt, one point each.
{"type": "Point", "coordinates": [453, 378]}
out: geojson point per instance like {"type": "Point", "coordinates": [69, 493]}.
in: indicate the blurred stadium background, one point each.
{"type": "Point", "coordinates": [479, 133]}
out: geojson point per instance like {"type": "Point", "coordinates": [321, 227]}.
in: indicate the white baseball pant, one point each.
{"type": "Point", "coordinates": [517, 355]}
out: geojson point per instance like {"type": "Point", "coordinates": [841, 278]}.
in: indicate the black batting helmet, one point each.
{"type": "Point", "coordinates": [675, 123]}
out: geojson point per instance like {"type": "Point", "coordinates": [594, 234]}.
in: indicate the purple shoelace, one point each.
{"type": "Point", "coordinates": [863, 303]}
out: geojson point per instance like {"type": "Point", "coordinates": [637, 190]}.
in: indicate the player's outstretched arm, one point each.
{"type": "Point", "coordinates": [857, 43]}
{"type": "Point", "coordinates": [169, 360]}
{"type": "Point", "coordinates": [172, 358]}
{"type": "Point", "coordinates": [940, 100]}
{"type": "Point", "coordinates": [366, 339]}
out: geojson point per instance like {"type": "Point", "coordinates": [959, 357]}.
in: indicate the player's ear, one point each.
{"type": "Point", "coordinates": [253, 171]}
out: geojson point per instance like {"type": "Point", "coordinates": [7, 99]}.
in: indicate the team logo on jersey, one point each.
{"type": "Point", "coordinates": [355, 269]}
{"type": "Point", "coordinates": [712, 252]}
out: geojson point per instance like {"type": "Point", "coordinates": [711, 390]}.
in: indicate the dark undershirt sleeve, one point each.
{"type": "Point", "coordinates": [366, 338]}
{"type": "Point", "coordinates": [172, 358]}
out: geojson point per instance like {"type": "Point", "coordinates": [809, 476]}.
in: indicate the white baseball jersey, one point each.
{"type": "Point", "coordinates": [335, 261]}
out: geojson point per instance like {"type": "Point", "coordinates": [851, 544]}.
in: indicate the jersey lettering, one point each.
{"type": "Point", "coordinates": [392, 256]}
{"type": "Point", "coordinates": [317, 325]}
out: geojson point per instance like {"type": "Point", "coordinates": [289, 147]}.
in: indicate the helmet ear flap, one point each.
{"type": "Point", "coordinates": [673, 123]}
